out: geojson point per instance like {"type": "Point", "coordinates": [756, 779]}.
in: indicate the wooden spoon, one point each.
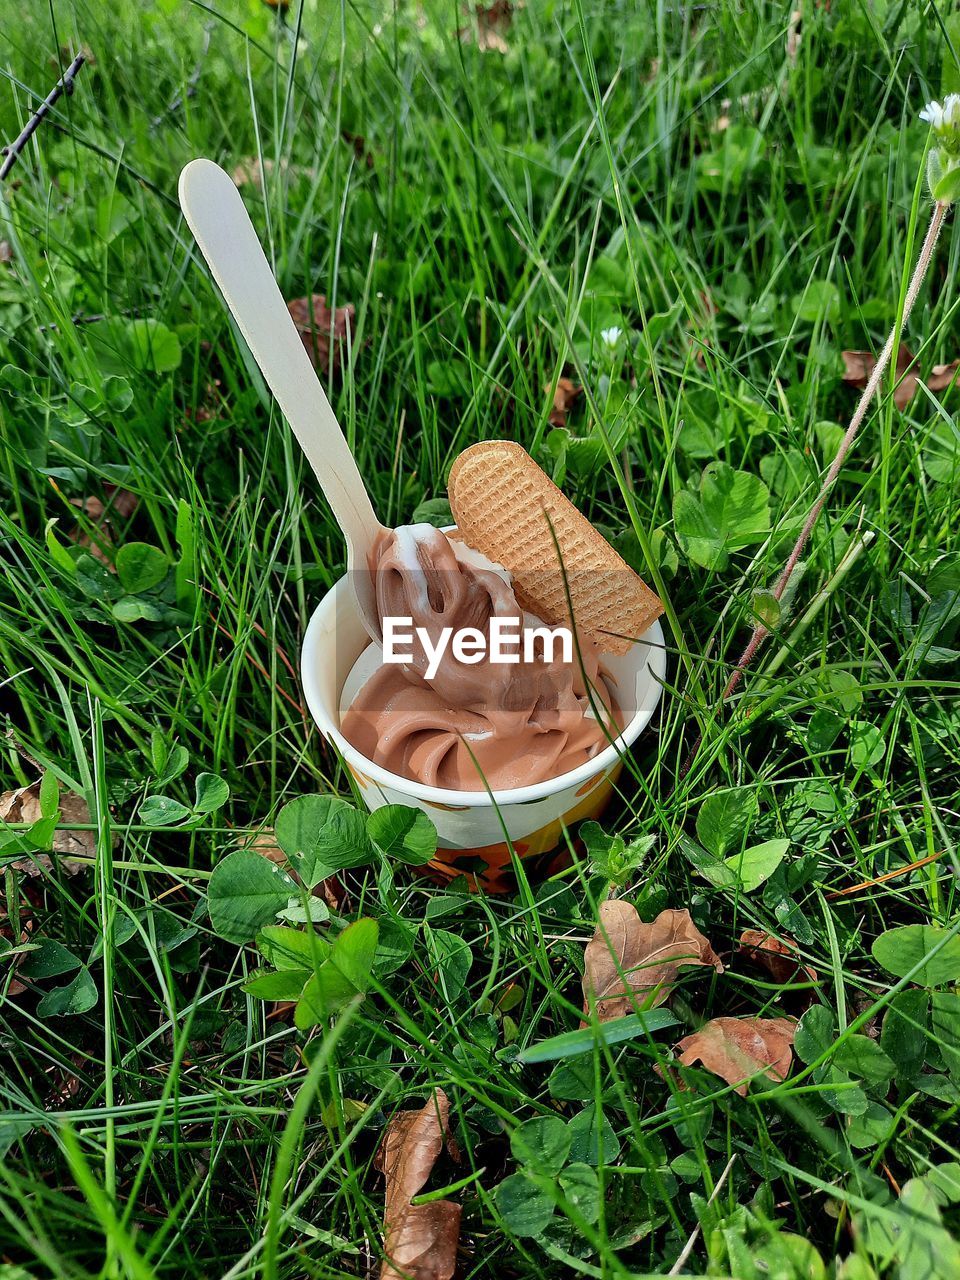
{"type": "Point", "coordinates": [222, 228]}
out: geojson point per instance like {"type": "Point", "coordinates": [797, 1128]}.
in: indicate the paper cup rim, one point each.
{"type": "Point", "coordinates": [601, 763]}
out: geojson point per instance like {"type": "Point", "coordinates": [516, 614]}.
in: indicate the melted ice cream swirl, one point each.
{"type": "Point", "coordinates": [497, 724]}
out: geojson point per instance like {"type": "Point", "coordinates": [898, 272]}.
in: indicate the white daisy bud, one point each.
{"type": "Point", "coordinates": [943, 160]}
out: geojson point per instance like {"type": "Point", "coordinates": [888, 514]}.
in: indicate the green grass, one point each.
{"type": "Point", "coordinates": [516, 205]}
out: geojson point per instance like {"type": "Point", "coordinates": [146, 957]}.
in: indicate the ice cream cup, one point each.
{"type": "Point", "coordinates": [476, 829]}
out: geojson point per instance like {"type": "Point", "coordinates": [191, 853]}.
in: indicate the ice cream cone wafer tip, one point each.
{"type": "Point", "coordinates": [507, 508]}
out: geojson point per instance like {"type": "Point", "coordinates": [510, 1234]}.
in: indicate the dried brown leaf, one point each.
{"type": "Point", "coordinates": [564, 395]}
{"type": "Point", "coordinates": [67, 53]}
{"type": "Point", "coordinates": [778, 956]}
{"type": "Point", "coordinates": [120, 505]}
{"type": "Point", "coordinates": [264, 842]}
{"type": "Point", "coordinates": [24, 806]}
{"type": "Point", "coordinates": [858, 366]}
{"type": "Point", "coordinates": [737, 1048]}
{"type": "Point", "coordinates": [360, 149]}
{"type": "Point", "coordinates": [793, 34]}
{"type": "Point", "coordinates": [249, 172]}
{"type": "Point", "coordinates": [419, 1241]}
{"type": "Point", "coordinates": [64, 1081]}
{"type": "Point", "coordinates": [627, 962]}
{"type": "Point", "coordinates": [209, 405]}
{"type": "Point", "coordinates": [6, 251]}
{"type": "Point", "coordinates": [942, 375]}
{"type": "Point", "coordinates": [120, 502]}
{"type": "Point", "coordinates": [316, 324]}
{"type": "Point", "coordinates": [493, 22]}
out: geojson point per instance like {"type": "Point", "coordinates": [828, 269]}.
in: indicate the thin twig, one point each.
{"type": "Point", "coordinates": [688, 1247]}
{"type": "Point", "coordinates": [760, 632]}
{"type": "Point", "coordinates": [64, 85]}
{"type": "Point", "coordinates": [889, 875]}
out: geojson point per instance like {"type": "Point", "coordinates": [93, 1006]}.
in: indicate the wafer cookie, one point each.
{"type": "Point", "coordinates": [505, 505]}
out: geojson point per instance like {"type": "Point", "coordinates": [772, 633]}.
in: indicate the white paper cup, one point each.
{"type": "Point", "coordinates": [475, 829]}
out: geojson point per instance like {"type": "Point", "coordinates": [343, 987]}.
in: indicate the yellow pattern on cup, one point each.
{"type": "Point", "coordinates": [490, 867]}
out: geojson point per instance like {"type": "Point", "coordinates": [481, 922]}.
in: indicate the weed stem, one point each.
{"type": "Point", "coordinates": [63, 86]}
{"type": "Point", "coordinates": [760, 632]}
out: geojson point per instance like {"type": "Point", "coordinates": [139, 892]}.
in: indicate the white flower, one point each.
{"type": "Point", "coordinates": [610, 337]}
{"type": "Point", "coordinates": [943, 161]}
{"type": "Point", "coordinates": [943, 116]}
